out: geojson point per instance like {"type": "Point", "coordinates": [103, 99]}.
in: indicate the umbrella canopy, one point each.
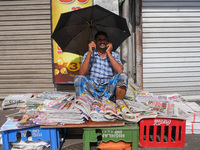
{"type": "Point", "coordinates": [76, 29]}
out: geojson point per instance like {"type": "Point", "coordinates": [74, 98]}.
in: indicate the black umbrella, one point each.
{"type": "Point", "coordinates": [77, 28]}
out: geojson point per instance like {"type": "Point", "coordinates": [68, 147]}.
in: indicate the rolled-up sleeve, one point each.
{"type": "Point", "coordinates": [84, 56]}
{"type": "Point", "coordinates": [116, 56]}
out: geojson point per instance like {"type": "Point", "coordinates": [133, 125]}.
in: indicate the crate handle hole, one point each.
{"type": "Point", "coordinates": [29, 135]}
{"type": "Point", "coordinates": [144, 137]}
{"type": "Point", "coordinates": [18, 135]}
{"type": "Point", "coordinates": [99, 134]}
{"type": "Point", "coordinates": [158, 135]}
{"type": "Point", "coordinates": [166, 135]}
{"type": "Point", "coordinates": [180, 129]}
{"type": "Point", "coordinates": [173, 133]}
{"type": "Point", "coordinates": [151, 133]}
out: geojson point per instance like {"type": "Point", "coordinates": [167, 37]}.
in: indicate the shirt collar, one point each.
{"type": "Point", "coordinates": [97, 54]}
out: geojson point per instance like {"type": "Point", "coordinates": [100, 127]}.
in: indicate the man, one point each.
{"type": "Point", "coordinates": [101, 71]}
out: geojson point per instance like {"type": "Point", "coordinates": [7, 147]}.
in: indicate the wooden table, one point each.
{"type": "Point", "coordinates": [90, 123]}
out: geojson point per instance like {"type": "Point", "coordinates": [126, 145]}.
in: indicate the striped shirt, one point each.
{"type": "Point", "coordinates": [100, 69]}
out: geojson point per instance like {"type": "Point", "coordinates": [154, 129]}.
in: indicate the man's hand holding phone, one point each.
{"type": "Point", "coordinates": [91, 46]}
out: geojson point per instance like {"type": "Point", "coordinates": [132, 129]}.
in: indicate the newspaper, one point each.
{"type": "Point", "coordinates": [68, 118]}
{"type": "Point", "coordinates": [63, 113]}
{"type": "Point", "coordinates": [147, 98]}
{"type": "Point", "coordinates": [130, 98]}
{"type": "Point", "coordinates": [129, 116]}
{"type": "Point", "coordinates": [191, 109]}
{"type": "Point", "coordinates": [10, 124]}
{"type": "Point", "coordinates": [126, 113]}
{"type": "Point", "coordinates": [16, 116]}
{"type": "Point", "coordinates": [97, 112]}
{"type": "Point", "coordinates": [119, 113]}
{"type": "Point", "coordinates": [110, 111]}
{"type": "Point", "coordinates": [136, 106]}
{"type": "Point", "coordinates": [84, 103]}
{"type": "Point", "coordinates": [53, 95]}
{"type": "Point", "coordinates": [193, 128]}
{"type": "Point", "coordinates": [43, 119]}
{"type": "Point", "coordinates": [30, 145]}
{"type": "Point", "coordinates": [14, 101]}
{"type": "Point", "coordinates": [166, 110]}
{"type": "Point", "coordinates": [49, 98]}
{"type": "Point", "coordinates": [136, 93]}
{"type": "Point", "coordinates": [27, 120]}
{"type": "Point", "coordinates": [176, 98]}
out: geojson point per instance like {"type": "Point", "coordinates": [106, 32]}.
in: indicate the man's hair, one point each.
{"type": "Point", "coordinates": [100, 33]}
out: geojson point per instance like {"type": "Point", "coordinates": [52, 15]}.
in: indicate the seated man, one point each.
{"type": "Point", "coordinates": [101, 71]}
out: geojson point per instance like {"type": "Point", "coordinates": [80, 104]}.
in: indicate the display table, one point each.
{"type": "Point", "coordinates": [90, 123]}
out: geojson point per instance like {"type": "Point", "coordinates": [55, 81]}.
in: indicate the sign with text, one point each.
{"type": "Point", "coordinates": [65, 65]}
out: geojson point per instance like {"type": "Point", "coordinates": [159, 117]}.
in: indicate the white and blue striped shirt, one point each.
{"type": "Point", "coordinates": [100, 69]}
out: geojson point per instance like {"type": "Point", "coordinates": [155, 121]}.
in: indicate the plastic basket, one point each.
{"type": "Point", "coordinates": [160, 132]}
{"type": "Point", "coordinates": [36, 133]}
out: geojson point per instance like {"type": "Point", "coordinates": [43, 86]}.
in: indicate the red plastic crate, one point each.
{"type": "Point", "coordinates": [160, 132]}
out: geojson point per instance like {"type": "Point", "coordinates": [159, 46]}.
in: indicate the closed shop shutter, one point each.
{"type": "Point", "coordinates": [171, 47]}
{"type": "Point", "coordinates": [25, 47]}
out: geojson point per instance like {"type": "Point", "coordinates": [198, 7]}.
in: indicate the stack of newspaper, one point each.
{"type": "Point", "coordinates": [173, 106]}
{"type": "Point", "coordinates": [48, 98]}
{"type": "Point", "coordinates": [62, 113]}
{"type": "Point", "coordinates": [19, 120]}
{"type": "Point", "coordinates": [56, 108]}
{"type": "Point", "coordinates": [84, 103]}
{"type": "Point", "coordinates": [193, 128]}
{"type": "Point", "coordinates": [98, 109]}
{"type": "Point", "coordinates": [28, 119]}
{"type": "Point", "coordinates": [163, 104]}
{"type": "Point", "coordinates": [14, 101]}
{"type": "Point", "coordinates": [30, 145]}
{"type": "Point", "coordinates": [192, 109]}
{"type": "Point", "coordinates": [106, 110]}
{"type": "Point", "coordinates": [129, 112]}
{"type": "Point", "coordinates": [111, 112]}
{"type": "Point", "coordinates": [146, 97]}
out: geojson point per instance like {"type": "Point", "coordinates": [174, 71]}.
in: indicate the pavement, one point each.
{"type": "Point", "coordinates": [74, 140]}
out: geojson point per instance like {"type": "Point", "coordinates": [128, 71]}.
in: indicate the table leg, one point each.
{"type": "Point", "coordinates": [53, 139]}
{"type": "Point", "coordinates": [86, 141]}
{"type": "Point", "coordinates": [135, 139]}
{"type": "Point", "coordinates": [5, 139]}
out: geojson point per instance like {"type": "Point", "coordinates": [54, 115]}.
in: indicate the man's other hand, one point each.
{"type": "Point", "coordinates": [109, 47]}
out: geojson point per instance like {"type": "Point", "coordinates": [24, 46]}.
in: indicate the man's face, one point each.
{"type": "Point", "coordinates": [101, 42]}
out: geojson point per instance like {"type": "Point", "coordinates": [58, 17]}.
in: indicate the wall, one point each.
{"type": "Point", "coordinates": [171, 49]}
{"type": "Point", "coordinates": [25, 47]}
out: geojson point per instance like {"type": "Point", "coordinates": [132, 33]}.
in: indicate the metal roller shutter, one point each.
{"type": "Point", "coordinates": [25, 47]}
{"type": "Point", "coordinates": [171, 47]}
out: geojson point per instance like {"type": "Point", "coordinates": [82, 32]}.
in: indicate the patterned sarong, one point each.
{"type": "Point", "coordinates": [83, 84]}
